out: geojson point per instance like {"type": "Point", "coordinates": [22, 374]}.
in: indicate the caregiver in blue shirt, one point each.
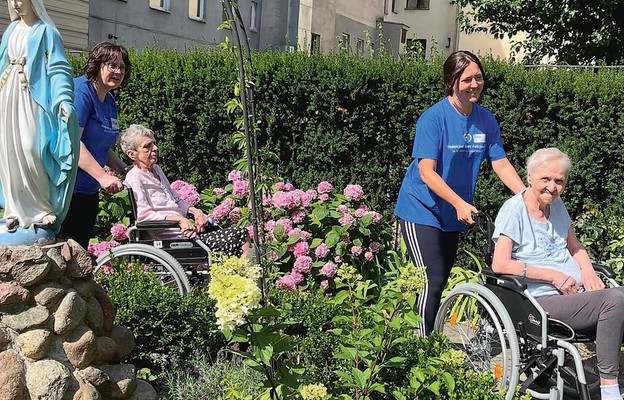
{"type": "Point", "coordinates": [107, 68]}
{"type": "Point", "coordinates": [435, 201]}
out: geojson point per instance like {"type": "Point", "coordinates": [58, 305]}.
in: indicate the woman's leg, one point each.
{"type": "Point", "coordinates": [231, 241]}
{"type": "Point", "coordinates": [436, 250]}
{"type": "Point", "coordinates": [81, 217]}
{"type": "Point", "coordinates": [600, 309]}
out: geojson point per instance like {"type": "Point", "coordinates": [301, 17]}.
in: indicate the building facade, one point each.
{"type": "Point", "coordinates": [71, 18]}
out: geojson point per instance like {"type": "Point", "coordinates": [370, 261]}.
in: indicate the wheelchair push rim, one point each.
{"type": "Point", "coordinates": [164, 266]}
{"type": "Point", "coordinates": [476, 322]}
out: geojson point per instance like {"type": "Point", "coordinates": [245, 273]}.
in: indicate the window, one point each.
{"type": "Point", "coordinates": [416, 48]}
{"type": "Point", "coordinates": [417, 5]}
{"type": "Point", "coordinates": [196, 9]}
{"type": "Point", "coordinates": [159, 4]}
{"type": "Point", "coordinates": [253, 23]}
{"type": "Point", "coordinates": [403, 36]}
{"type": "Point", "coordinates": [394, 6]}
{"type": "Point", "coordinates": [359, 46]}
{"type": "Point", "coordinates": [346, 42]}
{"type": "Point", "coordinates": [385, 6]}
{"type": "Point", "coordinates": [315, 45]}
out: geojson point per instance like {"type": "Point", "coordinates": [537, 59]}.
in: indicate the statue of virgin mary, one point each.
{"type": "Point", "coordinates": [39, 137]}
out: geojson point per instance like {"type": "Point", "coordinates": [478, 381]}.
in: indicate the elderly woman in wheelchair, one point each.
{"type": "Point", "coordinates": [541, 295]}
{"type": "Point", "coordinates": [155, 200]}
{"type": "Point", "coordinates": [162, 238]}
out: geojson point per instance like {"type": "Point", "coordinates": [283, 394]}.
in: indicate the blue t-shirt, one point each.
{"type": "Point", "coordinates": [101, 129]}
{"type": "Point", "coordinates": [458, 144]}
{"type": "Point", "coordinates": [543, 244]}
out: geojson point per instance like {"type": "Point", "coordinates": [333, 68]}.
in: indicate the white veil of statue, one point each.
{"type": "Point", "coordinates": [39, 10]}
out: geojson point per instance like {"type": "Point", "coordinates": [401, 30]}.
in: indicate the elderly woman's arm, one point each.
{"type": "Point", "coordinates": [591, 281]}
{"type": "Point", "coordinates": [502, 263]}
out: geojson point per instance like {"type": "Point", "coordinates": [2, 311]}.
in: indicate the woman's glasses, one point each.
{"type": "Point", "coordinates": [112, 67]}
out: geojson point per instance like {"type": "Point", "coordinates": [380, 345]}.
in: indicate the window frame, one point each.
{"type": "Point", "coordinates": [417, 4]}
{"type": "Point", "coordinates": [164, 5]}
{"type": "Point", "coordinates": [253, 16]}
{"type": "Point", "coordinates": [201, 6]}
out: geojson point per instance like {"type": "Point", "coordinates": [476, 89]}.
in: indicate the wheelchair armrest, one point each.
{"type": "Point", "coordinates": [509, 281]}
{"type": "Point", "coordinates": [156, 224]}
{"type": "Point", "coordinates": [604, 270]}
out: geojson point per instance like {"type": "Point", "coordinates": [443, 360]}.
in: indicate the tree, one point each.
{"type": "Point", "coordinates": [570, 31]}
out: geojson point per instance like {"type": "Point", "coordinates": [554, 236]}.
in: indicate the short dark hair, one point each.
{"type": "Point", "coordinates": [101, 54]}
{"type": "Point", "coordinates": [455, 65]}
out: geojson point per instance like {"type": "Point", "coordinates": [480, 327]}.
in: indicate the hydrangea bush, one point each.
{"type": "Point", "coordinates": [308, 233]}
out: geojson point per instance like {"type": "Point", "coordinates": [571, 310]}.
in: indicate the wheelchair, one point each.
{"type": "Point", "coordinates": [176, 262]}
{"type": "Point", "coordinates": [503, 330]}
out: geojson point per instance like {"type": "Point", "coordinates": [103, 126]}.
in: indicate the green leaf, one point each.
{"type": "Point", "coordinates": [279, 232]}
{"type": "Point", "coordinates": [331, 239]}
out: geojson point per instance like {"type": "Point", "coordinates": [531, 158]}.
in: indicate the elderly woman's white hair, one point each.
{"type": "Point", "coordinates": [129, 137]}
{"type": "Point", "coordinates": [39, 9]}
{"type": "Point", "coordinates": [544, 156]}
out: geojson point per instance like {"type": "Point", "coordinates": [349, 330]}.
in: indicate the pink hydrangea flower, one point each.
{"type": "Point", "coordinates": [345, 238]}
{"type": "Point", "coordinates": [356, 250]}
{"type": "Point", "coordinates": [361, 211]}
{"type": "Point", "coordinates": [346, 219]}
{"type": "Point", "coordinates": [240, 188]}
{"type": "Point", "coordinates": [375, 216]}
{"type": "Point", "coordinates": [108, 269]}
{"type": "Point", "coordinates": [353, 192]}
{"type": "Point", "coordinates": [305, 236]}
{"type": "Point", "coordinates": [338, 260]}
{"type": "Point", "coordinates": [234, 176]}
{"type": "Point", "coordinates": [271, 255]}
{"type": "Point", "coordinates": [288, 187]}
{"type": "Point", "coordinates": [279, 186]}
{"type": "Point", "coordinates": [301, 249]}
{"type": "Point", "coordinates": [97, 249]}
{"type": "Point", "coordinates": [323, 197]}
{"type": "Point", "coordinates": [236, 214]}
{"type": "Point", "coordinates": [329, 269]}
{"type": "Point", "coordinates": [298, 216]}
{"type": "Point", "coordinates": [324, 187]}
{"type": "Point", "coordinates": [368, 256]}
{"type": "Point", "coordinates": [324, 284]}
{"type": "Point", "coordinates": [297, 277]}
{"type": "Point", "coordinates": [284, 200]}
{"type": "Point", "coordinates": [286, 282]}
{"type": "Point", "coordinates": [119, 232]}
{"type": "Point", "coordinates": [303, 264]}
{"type": "Point", "coordinates": [286, 223]}
{"type": "Point", "coordinates": [267, 201]}
{"type": "Point", "coordinates": [374, 247]}
{"type": "Point", "coordinates": [219, 191]}
{"type": "Point", "coordinates": [229, 202]}
{"type": "Point", "coordinates": [311, 193]}
{"type": "Point", "coordinates": [322, 250]}
{"type": "Point", "coordinates": [186, 192]}
{"type": "Point", "coordinates": [221, 211]}
{"type": "Point", "coordinates": [342, 209]}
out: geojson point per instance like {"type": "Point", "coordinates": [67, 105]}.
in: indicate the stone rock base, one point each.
{"type": "Point", "coordinates": [57, 337]}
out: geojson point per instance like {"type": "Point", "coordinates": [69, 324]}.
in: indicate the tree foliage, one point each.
{"type": "Point", "coordinates": [570, 31]}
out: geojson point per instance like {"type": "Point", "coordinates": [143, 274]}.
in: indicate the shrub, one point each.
{"type": "Point", "coordinates": [168, 327]}
{"type": "Point", "coordinates": [201, 378]}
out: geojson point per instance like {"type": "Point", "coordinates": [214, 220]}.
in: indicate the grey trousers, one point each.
{"type": "Point", "coordinates": [602, 310]}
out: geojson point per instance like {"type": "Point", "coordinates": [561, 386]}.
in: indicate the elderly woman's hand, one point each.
{"type": "Point", "coordinates": [565, 283]}
{"type": "Point", "coordinates": [200, 218]}
{"type": "Point", "coordinates": [187, 228]}
{"type": "Point", "coordinates": [591, 281]}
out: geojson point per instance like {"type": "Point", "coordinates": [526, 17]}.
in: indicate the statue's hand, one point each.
{"type": "Point", "coordinates": [66, 109]}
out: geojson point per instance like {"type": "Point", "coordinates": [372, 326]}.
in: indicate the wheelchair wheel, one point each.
{"type": "Point", "coordinates": [163, 265]}
{"type": "Point", "coordinates": [477, 323]}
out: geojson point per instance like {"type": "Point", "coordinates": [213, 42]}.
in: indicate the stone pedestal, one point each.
{"type": "Point", "coordinates": [57, 337]}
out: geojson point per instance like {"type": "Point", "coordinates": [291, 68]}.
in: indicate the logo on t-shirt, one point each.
{"type": "Point", "coordinates": [479, 138]}
{"type": "Point", "coordinates": [467, 137]}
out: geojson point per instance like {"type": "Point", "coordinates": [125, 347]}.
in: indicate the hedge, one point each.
{"type": "Point", "coordinates": [351, 120]}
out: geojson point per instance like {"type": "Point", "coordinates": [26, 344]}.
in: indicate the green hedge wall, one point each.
{"type": "Point", "coordinates": [350, 120]}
